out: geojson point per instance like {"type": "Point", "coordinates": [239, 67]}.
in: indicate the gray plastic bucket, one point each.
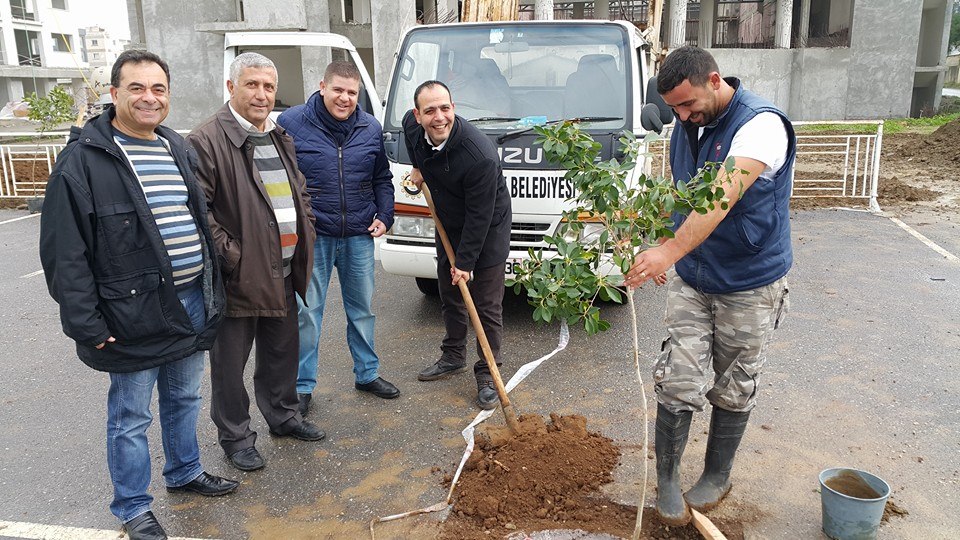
{"type": "Point", "coordinates": [851, 518]}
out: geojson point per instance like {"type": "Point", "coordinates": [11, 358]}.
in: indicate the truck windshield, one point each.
{"type": "Point", "coordinates": [512, 75]}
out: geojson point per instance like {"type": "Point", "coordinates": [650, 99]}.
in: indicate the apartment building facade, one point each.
{"type": "Point", "coordinates": [99, 48]}
{"type": "Point", "coordinates": [40, 48]}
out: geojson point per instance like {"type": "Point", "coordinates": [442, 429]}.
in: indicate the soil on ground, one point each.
{"type": "Point", "coordinates": [31, 180]}
{"type": "Point", "coordinates": [548, 478]}
{"type": "Point", "coordinates": [891, 510]}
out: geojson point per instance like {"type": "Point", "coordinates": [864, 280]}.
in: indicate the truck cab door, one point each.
{"type": "Point", "coordinates": [286, 49]}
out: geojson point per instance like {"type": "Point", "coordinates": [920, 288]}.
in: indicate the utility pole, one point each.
{"type": "Point", "coordinates": [543, 10]}
{"type": "Point", "coordinates": [490, 10]}
{"type": "Point", "coordinates": [654, 19]}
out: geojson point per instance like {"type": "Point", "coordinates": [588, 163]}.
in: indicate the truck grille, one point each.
{"type": "Point", "coordinates": [527, 234]}
{"type": "Point", "coordinates": [522, 236]}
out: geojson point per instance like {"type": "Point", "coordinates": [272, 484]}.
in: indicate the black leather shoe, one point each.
{"type": "Point", "coordinates": [305, 431]}
{"type": "Point", "coordinates": [304, 403]}
{"type": "Point", "coordinates": [247, 459]}
{"type": "Point", "coordinates": [379, 388]}
{"type": "Point", "coordinates": [206, 485]}
{"type": "Point", "coordinates": [440, 369]}
{"type": "Point", "coordinates": [487, 397]}
{"type": "Point", "coordinates": [145, 527]}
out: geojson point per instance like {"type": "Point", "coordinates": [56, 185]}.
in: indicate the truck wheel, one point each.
{"type": "Point", "coordinates": [428, 286]}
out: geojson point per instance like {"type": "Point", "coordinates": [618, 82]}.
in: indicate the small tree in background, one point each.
{"type": "Point", "coordinates": [51, 110]}
{"type": "Point", "coordinates": [614, 219]}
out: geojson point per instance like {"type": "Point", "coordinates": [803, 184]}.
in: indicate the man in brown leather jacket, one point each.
{"type": "Point", "coordinates": [263, 228]}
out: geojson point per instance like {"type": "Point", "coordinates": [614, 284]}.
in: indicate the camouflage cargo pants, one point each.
{"type": "Point", "coordinates": [726, 332]}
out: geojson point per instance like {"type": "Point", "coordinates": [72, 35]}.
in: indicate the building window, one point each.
{"type": "Point", "coordinates": [93, 42]}
{"type": "Point", "coordinates": [59, 4]}
{"type": "Point", "coordinates": [23, 10]}
{"type": "Point", "coordinates": [827, 26]}
{"type": "Point", "coordinates": [28, 47]}
{"type": "Point", "coordinates": [692, 23]}
{"type": "Point", "coordinates": [745, 24]}
{"type": "Point", "coordinates": [62, 42]}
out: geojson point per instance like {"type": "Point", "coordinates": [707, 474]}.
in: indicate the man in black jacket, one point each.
{"type": "Point", "coordinates": [128, 256]}
{"type": "Point", "coordinates": [462, 168]}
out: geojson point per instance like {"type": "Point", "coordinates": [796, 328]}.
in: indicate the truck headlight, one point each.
{"type": "Point", "coordinates": [416, 227]}
{"type": "Point", "coordinates": [589, 234]}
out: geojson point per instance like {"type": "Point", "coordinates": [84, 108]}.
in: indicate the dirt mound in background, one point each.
{"type": "Point", "coordinates": [921, 170]}
{"type": "Point", "coordinates": [945, 141]}
{"type": "Point", "coordinates": [548, 477]}
{"type": "Point", "coordinates": [936, 153]}
{"type": "Point", "coordinates": [892, 190]}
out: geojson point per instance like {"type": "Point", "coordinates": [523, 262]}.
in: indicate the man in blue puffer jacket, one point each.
{"type": "Point", "coordinates": [340, 152]}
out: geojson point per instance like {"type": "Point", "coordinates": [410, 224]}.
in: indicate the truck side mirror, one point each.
{"type": "Point", "coordinates": [654, 97]}
{"type": "Point", "coordinates": [650, 118]}
{"type": "Point", "coordinates": [391, 145]}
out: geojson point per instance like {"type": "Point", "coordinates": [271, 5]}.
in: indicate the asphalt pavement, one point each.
{"type": "Point", "coordinates": [863, 373]}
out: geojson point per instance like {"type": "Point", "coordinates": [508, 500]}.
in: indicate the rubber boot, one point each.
{"type": "Point", "coordinates": [670, 440]}
{"type": "Point", "coordinates": [726, 430]}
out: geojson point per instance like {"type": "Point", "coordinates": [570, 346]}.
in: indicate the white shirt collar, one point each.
{"type": "Point", "coordinates": [245, 124]}
{"type": "Point", "coordinates": [436, 148]}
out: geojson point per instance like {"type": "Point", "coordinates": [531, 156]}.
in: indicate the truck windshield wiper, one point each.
{"type": "Point", "coordinates": [517, 132]}
{"type": "Point", "coordinates": [494, 119]}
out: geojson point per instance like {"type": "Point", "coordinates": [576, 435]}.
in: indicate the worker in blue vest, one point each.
{"type": "Point", "coordinates": [727, 290]}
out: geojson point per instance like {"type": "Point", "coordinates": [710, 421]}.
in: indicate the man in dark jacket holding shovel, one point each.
{"type": "Point", "coordinates": [462, 168]}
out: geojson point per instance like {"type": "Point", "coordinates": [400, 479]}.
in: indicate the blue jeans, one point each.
{"type": "Point", "coordinates": [353, 259]}
{"type": "Point", "coordinates": [128, 417]}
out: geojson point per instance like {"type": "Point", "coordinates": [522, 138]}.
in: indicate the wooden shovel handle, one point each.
{"type": "Point", "coordinates": [508, 413]}
{"type": "Point", "coordinates": [707, 529]}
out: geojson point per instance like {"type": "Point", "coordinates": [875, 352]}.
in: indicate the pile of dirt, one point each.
{"type": "Point", "coordinates": [12, 204]}
{"type": "Point", "coordinates": [921, 170]}
{"type": "Point", "coordinates": [939, 150]}
{"type": "Point", "coordinates": [547, 478]}
{"type": "Point", "coordinates": [891, 191]}
{"type": "Point", "coordinates": [892, 509]}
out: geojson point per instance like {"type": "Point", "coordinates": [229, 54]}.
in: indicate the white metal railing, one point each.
{"type": "Point", "coordinates": [845, 165]}
{"type": "Point", "coordinates": [835, 165]}
{"type": "Point", "coordinates": [26, 168]}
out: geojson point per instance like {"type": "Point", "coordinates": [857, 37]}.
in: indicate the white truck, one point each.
{"type": "Point", "coordinates": [504, 78]}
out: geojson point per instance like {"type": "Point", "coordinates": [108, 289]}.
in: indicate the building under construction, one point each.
{"type": "Point", "coordinates": [817, 59]}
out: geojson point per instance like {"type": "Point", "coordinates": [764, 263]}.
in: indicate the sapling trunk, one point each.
{"type": "Point", "coordinates": [646, 422]}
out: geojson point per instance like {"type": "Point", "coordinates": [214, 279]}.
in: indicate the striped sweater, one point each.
{"type": "Point", "coordinates": [166, 196]}
{"type": "Point", "coordinates": [277, 185]}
